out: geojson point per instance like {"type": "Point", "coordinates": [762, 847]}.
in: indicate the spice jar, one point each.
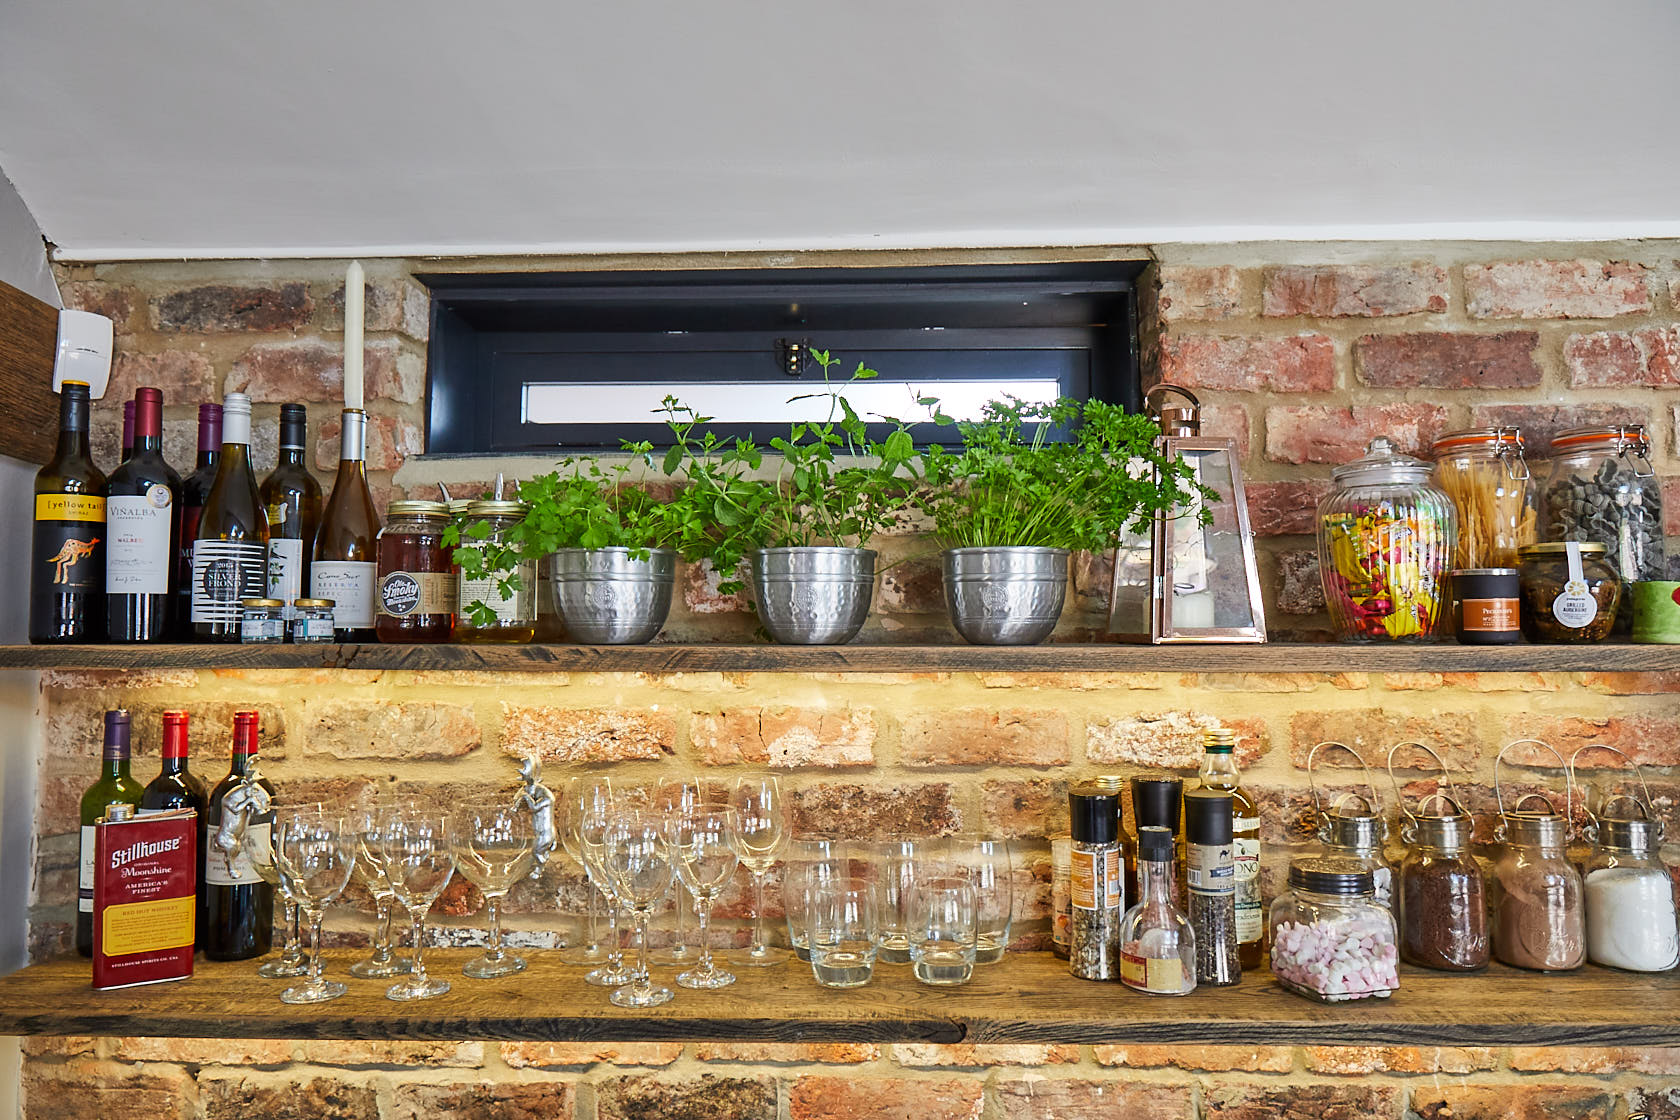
{"type": "Point", "coordinates": [1631, 919]}
{"type": "Point", "coordinates": [1443, 899]}
{"type": "Point", "coordinates": [1385, 545]}
{"type": "Point", "coordinates": [1096, 892]}
{"type": "Point", "coordinates": [515, 611]}
{"type": "Point", "coordinates": [1157, 944]}
{"type": "Point", "coordinates": [1569, 592]}
{"type": "Point", "coordinates": [1331, 940]}
{"type": "Point", "coordinates": [1601, 487]}
{"type": "Point", "coordinates": [1486, 606]}
{"type": "Point", "coordinates": [1061, 875]}
{"type": "Point", "coordinates": [262, 621]}
{"type": "Point", "coordinates": [1212, 879]}
{"type": "Point", "coordinates": [1484, 473]}
{"type": "Point", "coordinates": [416, 583]}
{"type": "Point", "coordinates": [312, 620]}
{"type": "Point", "coordinates": [1353, 826]}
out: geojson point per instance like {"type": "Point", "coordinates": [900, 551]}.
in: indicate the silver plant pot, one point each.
{"type": "Point", "coordinates": [813, 596]}
{"type": "Point", "coordinates": [1005, 596]}
{"type": "Point", "coordinates": [608, 599]}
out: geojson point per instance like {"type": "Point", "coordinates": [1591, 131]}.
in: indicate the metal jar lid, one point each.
{"type": "Point", "coordinates": [255, 604]}
{"type": "Point", "coordinates": [1620, 438]}
{"type": "Point", "coordinates": [417, 508]}
{"type": "Point", "coordinates": [1382, 465]}
{"type": "Point", "coordinates": [1560, 548]}
{"type": "Point", "coordinates": [1332, 875]}
{"type": "Point", "coordinates": [314, 604]}
{"type": "Point", "coordinates": [491, 508]}
{"type": "Point", "coordinates": [1543, 829]}
{"type": "Point", "coordinates": [1353, 830]}
{"type": "Point", "coordinates": [1632, 834]}
{"type": "Point", "coordinates": [1447, 831]}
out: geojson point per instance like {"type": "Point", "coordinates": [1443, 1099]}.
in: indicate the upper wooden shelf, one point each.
{"type": "Point", "coordinates": [1028, 998]}
{"type": "Point", "coordinates": [1276, 657]}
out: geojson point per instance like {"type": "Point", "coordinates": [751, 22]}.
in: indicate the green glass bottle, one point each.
{"type": "Point", "coordinates": [114, 785]}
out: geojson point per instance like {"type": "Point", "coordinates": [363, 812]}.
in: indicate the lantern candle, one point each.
{"type": "Point", "coordinates": [354, 291]}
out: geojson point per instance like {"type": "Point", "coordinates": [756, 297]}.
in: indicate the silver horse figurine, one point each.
{"type": "Point", "coordinates": [245, 802]}
{"type": "Point", "coordinates": [540, 800]}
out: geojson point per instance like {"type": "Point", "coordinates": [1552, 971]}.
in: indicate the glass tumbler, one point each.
{"type": "Point", "coordinates": [806, 860]}
{"type": "Point", "coordinates": [842, 931]}
{"type": "Point", "coordinates": [986, 865]}
{"type": "Point", "coordinates": [896, 864]}
{"type": "Point", "coordinates": [944, 932]}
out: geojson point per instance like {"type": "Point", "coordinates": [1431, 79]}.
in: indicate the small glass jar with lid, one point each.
{"type": "Point", "coordinates": [1569, 592]}
{"type": "Point", "coordinates": [1484, 473]}
{"type": "Point", "coordinates": [514, 609]}
{"type": "Point", "coordinates": [1631, 919]}
{"type": "Point", "coordinates": [262, 621]}
{"type": "Point", "coordinates": [1385, 545]}
{"type": "Point", "coordinates": [312, 620]}
{"type": "Point", "coordinates": [1332, 940]}
{"type": "Point", "coordinates": [1602, 487]}
{"type": "Point", "coordinates": [416, 590]}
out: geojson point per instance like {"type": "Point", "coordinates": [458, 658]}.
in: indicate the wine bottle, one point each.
{"type": "Point", "coordinates": [114, 785]}
{"type": "Point", "coordinates": [128, 431]}
{"type": "Point", "coordinates": [291, 499]}
{"type": "Point", "coordinates": [345, 561]}
{"type": "Point", "coordinates": [230, 554]}
{"type": "Point", "coordinates": [195, 488]}
{"type": "Point", "coordinates": [238, 903]}
{"type": "Point", "coordinates": [67, 573]}
{"type": "Point", "coordinates": [143, 531]}
{"type": "Point", "coordinates": [176, 787]}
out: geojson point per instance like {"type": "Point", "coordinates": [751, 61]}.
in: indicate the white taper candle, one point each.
{"type": "Point", "coordinates": [355, 285]}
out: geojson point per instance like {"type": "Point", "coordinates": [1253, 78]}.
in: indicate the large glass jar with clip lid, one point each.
{"type": "Point", "coordinates": [1385, 547]}
{"type": "Point", "coordinates": [1631, 920]}
{"type": "Point", "coordinates": [1602, 487]}
{"type": "Point", "coordinates": [512, 602]}
{"type": "Point", "coordinates": [1484, 473]}
{"type": "Point", "coordinates": [1538, 917]}
{"type": "Point", "coordinates": [1350, 825]}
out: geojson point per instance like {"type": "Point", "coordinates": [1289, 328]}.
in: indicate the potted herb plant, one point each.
{"type": "Point", "coordinates": [1012, 503]}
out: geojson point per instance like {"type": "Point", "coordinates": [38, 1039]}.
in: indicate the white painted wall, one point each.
{"type": "Point", "coordinates": [190, 127]}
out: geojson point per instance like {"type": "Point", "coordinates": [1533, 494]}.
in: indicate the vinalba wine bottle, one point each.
{"type": "Point", "coordinates": [67, 557]}
{"type": "Point", "coordinates": [114, 785]}
{"type": "Point", "coordinates": [176, 787]}
{"type": "Point", "coordinates": [195, 488]}
{"type": "Point", "coordinates": [291, 499]}
{"type": "Point", "coordinates": [345, 560]}
{"type": "Point", "coordinates": [238, 902]}
{"type": "Point", "coordinates": [230, 553]}
{"type": "Point", "coordinates": [143, 531]}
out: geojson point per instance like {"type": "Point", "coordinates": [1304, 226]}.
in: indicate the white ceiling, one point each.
{"type": "Point", "coordinates": [329, 127]}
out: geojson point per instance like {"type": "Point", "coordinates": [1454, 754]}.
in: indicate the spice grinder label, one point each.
{"type": "Point", "coordinates": [1209, 869]}
{"type": "Point", "coordinates": [1575, 608]}
{"type": "Point", "coordinates": [1094, 883]}
{"type": "Point", "coordinates": [1490, 616]}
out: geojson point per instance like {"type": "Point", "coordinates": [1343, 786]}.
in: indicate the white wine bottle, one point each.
{"type": "Point", "coordinates": [230, 554]}
{"type": "Point", "coordinates": [346, 562]}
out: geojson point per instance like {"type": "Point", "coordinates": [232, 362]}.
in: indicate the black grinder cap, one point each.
{"type": "Point", "coordinates": [1207, 817]}
{"type": "Point", "coordinates": [1095, 812]}
{"type": "Point", "coordinates": [1155, 844]}
{"type": "Point", "coordinates": [1155, 802]}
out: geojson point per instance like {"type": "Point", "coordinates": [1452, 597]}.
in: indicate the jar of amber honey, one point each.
{"type": "Point", "coordinates": [416, 591]}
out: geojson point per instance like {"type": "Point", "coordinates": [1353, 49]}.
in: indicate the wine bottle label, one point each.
{"type": "Point", "coordinates": [349, 584]}
{"type": "Point", "coordinates": [223, 573]}
{"type": "Point", "coordinates": [137, 546]}
{"type": "Point", "coordinates": [84, 883]}
{"type": "Point", "coordinates": [416, 593]}
{"type": "Point", "coordinates": [69, 539]}
{"type": "Point", "coordinates": [219, 871]}
{"type": "Point", "coordinates": [514, 608]}
{"type": "Point", "coordinates": [285, 572]}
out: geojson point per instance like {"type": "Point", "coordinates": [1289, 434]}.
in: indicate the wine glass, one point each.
{"type": "Point", "coordinates": [582, 791]}
{"type": "Point", "coordinates": [760, 834]}
{"type": "Point", "coordinates": [703, 846]}
{"type": "Point", "coordinates": [640, 865]}
{"type": "Point", "coordinates": [673, 798]}
{"type": "Point", "coordinates": [291, 961]}
{"type": "Point", "coordinates": [418, 865]}
{"type": "Point", "coordinates": [493, 845]}
{"type": "Point", "coordinates": [313, 855]}
{"type": "Point", "coordinates": [365, 823]}
{"type": "Point", "coordinates": [597, 813]}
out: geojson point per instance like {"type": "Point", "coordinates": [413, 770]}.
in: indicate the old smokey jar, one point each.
{"type": "Point", "coordinates": [416, 590]}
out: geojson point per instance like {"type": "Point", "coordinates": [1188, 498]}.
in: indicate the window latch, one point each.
{"type": "Point", "coordinates": [794, 354]}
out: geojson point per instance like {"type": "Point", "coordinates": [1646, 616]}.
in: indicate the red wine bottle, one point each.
{"type": "Point", "coordinates": [114, 785]}
{"type": "Point", "coordinates": [238, 903]}
{"type": "Point", "coordinates": [194, 489]}
{"type": "Point", "coordinates": [128, 430]}
{"type": "Point", "coordinates": [176, 787]}
{"type": "Point", "coordinates": [67, 559]}
{"type": "Point", "coordinates": [230, 552]}
{"type": "Point", "coordinates": [143, 527]}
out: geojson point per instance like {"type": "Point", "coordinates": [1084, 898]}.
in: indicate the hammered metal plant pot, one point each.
{"type": "Point", "coordinates": [608, 599]}
{"type": "Point", "coordinates": [813, 596]}
{"type": "Point", "coordinates": [1005, 596]}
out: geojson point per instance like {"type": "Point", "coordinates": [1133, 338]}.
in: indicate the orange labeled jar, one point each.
{"type": "Point", "coordinates": [415, 594]}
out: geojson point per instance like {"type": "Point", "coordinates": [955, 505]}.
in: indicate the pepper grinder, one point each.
{"type": "Point", "coordinates": [1212, 879]}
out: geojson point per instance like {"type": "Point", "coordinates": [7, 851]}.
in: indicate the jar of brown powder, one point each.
{"type": "Point", "coordinates": [1538, 921]}
{"type": "Point", "coordinates": [1441, 894]}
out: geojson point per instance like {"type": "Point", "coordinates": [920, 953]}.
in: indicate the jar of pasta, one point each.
{"type": "Point", "coordinates": [1602, 487]}
{"type": "Point", "coordinates": [1484, 473]}
{"type": "Point", "coordinates": [509, 593]}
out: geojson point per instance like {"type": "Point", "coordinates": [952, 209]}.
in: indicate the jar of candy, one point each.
{"type": "Point", "coordinates": [416, 597]}
{"type": "Point", "coordinates": [513, 610]}
{"type": "Point", "coordinates": [1601, 487]}
{"type": "Point", "coordinates": [1385, 547]}
{"type": "Point", "coordinates": [1484, 473]}
{"type": "Point", "coordinates": [1331, 939]}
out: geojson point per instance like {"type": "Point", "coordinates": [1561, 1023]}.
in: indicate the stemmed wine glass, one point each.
{"type": "Point", "coordinates": [418, 865]}
{"type": "Point", "coordinates": [493, 846]}
{"type": "Point", "coordinates": [313, 855]}
{"type": "Point", "coordinates": [760, 834]}
{"type": "Point", "coordinates": [703, 849]}
{"type": "Point", "coordinates": [581, 792]}
{"type": "Point", "coordinates": [292, 961]}
{"type": "Point", "coordinates": [639, 862]}
{"type": "Point", "coordinates": [676, 797]}
{"type": "Point", "coordinates": [594, 822]}
{"type": "Point", "coordinates": [365, 824]}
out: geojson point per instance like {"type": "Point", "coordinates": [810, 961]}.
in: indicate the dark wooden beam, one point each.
{"type": "Point", "coordinates": [28, 344]}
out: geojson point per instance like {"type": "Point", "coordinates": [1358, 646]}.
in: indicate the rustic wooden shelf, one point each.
{"type": "Point", "coordinates": [1028, 998]}
{"type": "Point", "coordinates": [1276, 657]}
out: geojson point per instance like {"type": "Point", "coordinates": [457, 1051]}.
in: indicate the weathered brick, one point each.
{"type": "Point", "coordinates": [74, 726]}
{"type": "Point", "coordinates": [1671, 505]}
{"type": "Point", "coordinates": [1300, 590]}
{"type": "Point", "coordinates": [1504, 682]}
{"type": "Point", "coordinates": [114, 301]}
{"type": "Point", "coordinates": [1283, 682]}
{"type": "Point", "coordinates": [1632, 684]}
{"type": "Point", "coordinates": [1300, 1102]}
{"type": "Point", "coordinates": [1228, 421]}
{"type": "Point", "coordinates": [1192, 294]}
{"type": "Point", "coordinates": [882, 1098]}
{"type": "Point", "coordinates": [1372, 731]}
{"type": "Point", "coordinates": [1559, 1101]}
{"type": "Point", "coordinates": [1366, 291]}
{"type": "Point", "coordinates": [1576, 289]}
{"type": "Point", "coordinates": [523, 1055]}
{"type": "Point", "coordinates": [83, 1089]}
{"type": "Point", "coordinates": [1448, 361]}
{"type": "Point", "coordinates": [847, 811]}
{"type": "Point", "coordinates": [978, 736]}
{"type": "Point", "coordinates": [278, 1097]}
{"type": "Point", "coordinates": [73, 679]}
{"type": "Point", "coordinates": [390, 442]}
{"type": "Point", "coordinates": [1302, 364]}
{"type": "Point", "coordinates": [1041, 1098]}
{"type": "Point", "coordinates": [184, 376]}
{"type": "Point", "coordinates": [1540, 422]}
{"type": "Point", "coordinates": [482, 1100]}
{"type": "Point", "coordinates": [1648, 740]}
{"type": "Point", "coordinates": [308, 370]}
{"type": "Point", "coordinates": [1284, 508]}
{"type": "Point", "coordinates": [700, 592]}
{"type": "Point", "coordinates": [913, 586]}
{"type": "Point", "coordinates": [787, 1053]}
{"type": "Point", "coordinates": [1614, 358]}
{"type": "Point", "coordinates": [387, 305]}
{"type": "Point", "coordinates": [233, 307]}
{"type": "Point", "coordinates": [1399, 1059]}
{"type": "Point", "coordinates": [1169, 739]}
{"type": "Point", "coordinates": [56, 1046]}
{"type": "Point", "coordinates": [691, 1098]}
{"type": "Point", "coordinates": [785, 737]}
{"type": "Point", "coordinates": [1031, 807]}
{"type": "Point", "coordinates": [1219, 1059]}
{"type": "Point", "coordinates": [1596, 1059]}
{"type": "Point", "coordinates": [980, 1055]}
{"type": "Point", "coordinates": [1327, 434]}
{"type": "Point", "coordinates": [1412, 682]}
{"type": "Point", "coordinates": [586, 734]}
{"type": "Point", "coordinates": [380, 1052]}
{"type": "Point", "coordinates": [204, 1051]}
{"type": "Point", "coordinates": [417, 730]}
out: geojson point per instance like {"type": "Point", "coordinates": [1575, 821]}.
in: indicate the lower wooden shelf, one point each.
{"type": "Point", "coordinates": [1028, 998]}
